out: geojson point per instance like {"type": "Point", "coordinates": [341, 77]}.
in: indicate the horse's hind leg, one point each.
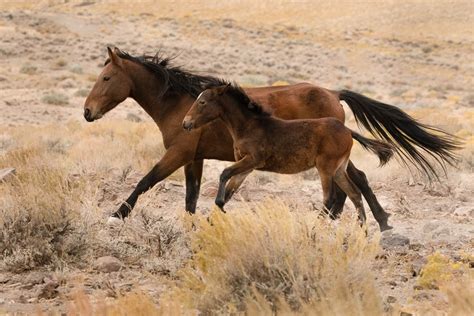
{"type": "Point", "coordinates": [354, 194]}
{"type": "Point", "coordinates": [359, 179]}
{"type": "Point", "coordinates": [338, 200]}
{"type": "Point", "coordinates": [193, 174]}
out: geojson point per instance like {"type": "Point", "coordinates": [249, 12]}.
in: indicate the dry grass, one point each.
{"type": "Point", "coordinates": [49, 211]}
{"type": "Point", "coordinates": [271, 259]}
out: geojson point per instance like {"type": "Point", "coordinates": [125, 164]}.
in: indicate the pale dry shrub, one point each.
{"type": "Point", "coordinates": [49, 212]}
{"type": "Point", "coordinates": [272, 259]}
{"type": "Point", "coordinates": [40, 219]}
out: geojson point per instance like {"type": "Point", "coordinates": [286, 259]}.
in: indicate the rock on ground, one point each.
{"type": "Point", "coordinates": [108, 264]}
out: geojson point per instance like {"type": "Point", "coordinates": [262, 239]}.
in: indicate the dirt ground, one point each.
{"type": "Point", "coordinates": [416, 55]}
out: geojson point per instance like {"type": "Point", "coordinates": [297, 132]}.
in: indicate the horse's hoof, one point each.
{"type": "Point", "coordinates": [113, 221]}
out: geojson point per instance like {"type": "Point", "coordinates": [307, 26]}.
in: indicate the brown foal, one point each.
{"type": "Point", "coordinates": [263, 142]}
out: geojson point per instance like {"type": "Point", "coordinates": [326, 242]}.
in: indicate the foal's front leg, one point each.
{"type": "Point", "coordinates": [245, 165]}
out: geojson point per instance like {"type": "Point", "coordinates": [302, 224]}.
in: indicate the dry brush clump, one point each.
{"type": "Point", "coordinates": [40, 219]}
{"type": "Point", "coordinates": [271, 259]}
{"type": "Point", "coordinates": [49, 211]}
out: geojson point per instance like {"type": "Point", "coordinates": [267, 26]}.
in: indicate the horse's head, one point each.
{"type": "Point", "coordinates": [205, 109]}
{"type": "Point", "coordinates": [111, 88]}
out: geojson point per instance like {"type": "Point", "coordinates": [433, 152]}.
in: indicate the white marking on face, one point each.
{"type": "Point", "coordinates": [197, 99]}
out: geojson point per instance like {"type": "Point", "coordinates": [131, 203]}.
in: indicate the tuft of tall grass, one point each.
{"type": "Point", "coordinates": [40, 219]}
{"type": "Point", "coordinates": [49, 210]}
{"type": "Point", "coordinates": [271, 259]}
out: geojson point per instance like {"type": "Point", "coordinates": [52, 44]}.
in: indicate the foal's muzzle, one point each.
{"type": "Point", "coordinates": [188, 125]}
{"type": "Point", "coordinates": [88, 115]}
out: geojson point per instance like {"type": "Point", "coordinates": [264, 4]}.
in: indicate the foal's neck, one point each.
{"type": "Point", "coordinates": [235, 117]}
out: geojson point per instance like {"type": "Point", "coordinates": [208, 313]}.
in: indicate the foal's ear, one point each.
{"type": "Point", "coordinates": [114, 58]}
{"type": "Point", "coordinates": [223, 89]}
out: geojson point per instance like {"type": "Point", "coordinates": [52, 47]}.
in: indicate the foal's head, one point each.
{"type": "Point", "coordinates": [111, 88]}
{"type": "Point", "coordinates": [206, 108]}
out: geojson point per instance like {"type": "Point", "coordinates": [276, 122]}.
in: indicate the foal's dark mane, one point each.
{"type": "Point", "coordinates": [245, 102]}
{"type": "Point", "coordinates": [174, 78]}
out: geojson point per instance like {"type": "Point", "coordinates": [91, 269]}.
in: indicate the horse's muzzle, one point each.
{"type": "Point", "coordinates": [88, 115]}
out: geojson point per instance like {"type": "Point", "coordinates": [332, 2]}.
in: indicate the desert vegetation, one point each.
{"type": "Point", "coordinates": [272, 253]}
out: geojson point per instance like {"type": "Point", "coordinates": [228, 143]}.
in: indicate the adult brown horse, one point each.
{"type": "Point", "coordinates": [166, 93]}
{"type": "Point", "coordinates": [267, 143]}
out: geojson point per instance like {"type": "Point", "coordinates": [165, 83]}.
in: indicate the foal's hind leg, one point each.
{"type": "Point", "coordinates": [337, 201]}
{"type": "Point", "coordinates": [346, 184]}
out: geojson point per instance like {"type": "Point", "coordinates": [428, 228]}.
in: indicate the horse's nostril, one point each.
{"type": "Point", "coordinates": [87, 115]}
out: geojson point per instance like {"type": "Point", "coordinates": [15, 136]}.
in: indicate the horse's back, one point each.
{"type": "Point", "coordinates": [298, 101]}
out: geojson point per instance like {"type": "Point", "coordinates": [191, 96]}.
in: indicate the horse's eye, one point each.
{"type": "Point", "coordinates": [106, 78]}
{"type": "Point", "coordinates": [202, 102]}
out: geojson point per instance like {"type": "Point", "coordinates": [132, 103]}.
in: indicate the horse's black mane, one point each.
{"type": "Point", "coordinates": [175, 79]}
{"type": "Point", "coordinates": [239, 95]}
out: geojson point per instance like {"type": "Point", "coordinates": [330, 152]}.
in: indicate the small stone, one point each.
{"type": "Point", "coordinates": [108, 264]}
{"type": "Point", "coordinates": [5, 173]}
{"type": "Point", "coordinates": [32, 300]}
{"type": "Point", "coordinates": [2, 301]}
{"type": "Point", "coordinates": [405, 314]}
{"type": "Point", "coordinates": [391, 299]}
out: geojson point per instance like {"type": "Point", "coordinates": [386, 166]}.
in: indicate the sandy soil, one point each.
{"type": "Point", "coordinates": [421, 61]}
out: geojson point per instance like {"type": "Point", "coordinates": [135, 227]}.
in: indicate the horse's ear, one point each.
{"type": "Point", "coordinates": [114, 58]}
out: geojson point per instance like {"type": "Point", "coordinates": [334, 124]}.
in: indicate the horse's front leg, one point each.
{"type": "Point", "coordinates": [193, 174]}
{"type": "Point", "coordinates": [243, 166]}
{"type": "Point", "coordinates": [174, 158]}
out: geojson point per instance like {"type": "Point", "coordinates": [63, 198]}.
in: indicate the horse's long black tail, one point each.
{"type": "Point", "coordinates": [382, 149]}
{"type": "Point", "coordinates": [412, 140]}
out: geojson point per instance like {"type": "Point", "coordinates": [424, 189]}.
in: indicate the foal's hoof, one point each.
{"type": "Point", "coordinates": [220, 204]}
{"type": "Point", "coordinates": [384, 227]}
{"type": "Point", "coordinates": [113, 221]}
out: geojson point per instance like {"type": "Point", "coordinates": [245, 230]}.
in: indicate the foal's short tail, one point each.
{"type": "Point", "coordinates": [382, 149]}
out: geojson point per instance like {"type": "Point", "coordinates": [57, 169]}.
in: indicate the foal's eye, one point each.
{"type": "Point", "coordinates": [202, 102]}
{"type": "Point", "coordinates": [106, 78]}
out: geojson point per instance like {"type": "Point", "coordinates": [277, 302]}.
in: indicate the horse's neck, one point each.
{"type": "Point", "coordinates": [147, 94]}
